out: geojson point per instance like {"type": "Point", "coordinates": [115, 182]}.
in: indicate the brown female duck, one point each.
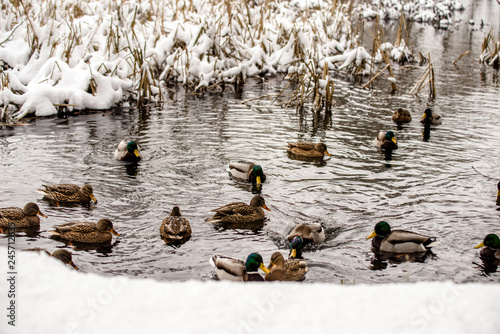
{"type": "Point", "coordinates": [307, 149]}
{"type": "Point", "coordinates": [285, 270]}
{"type": "Point", "coordinates": [175, 229]}
{"type": "Point", "coordinates": [26, 217]}
{"type": "Point", "coordinates": [239, 213]}
{"type": "Point", "coordinates": [86, 232]}
{"type": "Point", "coordinates": [69, 193]}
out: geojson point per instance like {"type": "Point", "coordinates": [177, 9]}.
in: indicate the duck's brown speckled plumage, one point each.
{"type": "Point", "coordinates": [240, 213]}
{"type": "Point", "coordinates": [308, 149]}
{"type": "Point", "coordinates": [401, 116]}
{"type": "Point", "coordinates": [26, 217]}
{"type": "Point", "coordinates": [285, 270]}
{"type": "Point", "coordinates": [86, 232]}
{"type": "Point", "coordinates": [62, 255]}
{"type": "Point", "coordinates": [69, 193]}
{"type": "Point", "coordinates": [175, 229]}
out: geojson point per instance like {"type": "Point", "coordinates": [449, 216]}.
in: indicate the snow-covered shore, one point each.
{"type": "Point", "coordinates": [101, 54]}
{"type": "Point", "coordinates": [54, 298]}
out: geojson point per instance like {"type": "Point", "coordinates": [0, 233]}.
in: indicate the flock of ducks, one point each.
{"type": "Point", "coordinates": [176, 230]}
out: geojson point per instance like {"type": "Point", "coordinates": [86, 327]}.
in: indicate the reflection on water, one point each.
{"type": "Point", "coordinates": [430, 186]}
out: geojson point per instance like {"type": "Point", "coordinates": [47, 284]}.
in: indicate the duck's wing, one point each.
{"type": "Point", "coordinates": [232, 266]}
{"type": "Point", "coordinates": [176, 225]}
{"type": "Point", "coordinates": [83, 227]}
{"type": "Point", "coordinates": [241, 166]}
{"type": "Point", "coordinates": [12, 213]}
{"type": "Point", "coordinates": [229, 208]}
{"type": "Point", "coordinates": [303, 145]}
{"type": "Point", "coordinates": [301, 230]}
{"type": "Point", "coordinates": [64, 188]}
{"type": "Point", "coordinates": [402, 236]}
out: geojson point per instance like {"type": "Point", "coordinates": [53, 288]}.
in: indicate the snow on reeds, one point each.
{"type": "Point", "coordinates": [103, 53]}
{"type": "Point", "coordinates": [490, 53]}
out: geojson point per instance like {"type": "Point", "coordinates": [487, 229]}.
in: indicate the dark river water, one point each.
{"type": "Point", "coordinates": [428, 186]}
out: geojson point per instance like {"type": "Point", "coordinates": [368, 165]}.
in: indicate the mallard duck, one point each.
{"type": "Point", "coordinates": [247, 171]}
{"type": "Point", "coordinates": [398, 241]}
{"type": "Point", "coordinates": [86, 232]}
{"type": "Point", "coordinates": [240, 213]}
{"type": "Point", "coordinates": [128, 151]}
{"type": "Point", "coordinates": [228, 268]}
{"type": "Point", "coordinates": [309, 232]}
{"type": "Point", "coordinates": [308, 149]}
{"type": "Point", "coordinates": [429, 118]}
{"type": "Point", "coordinates": [296, 248]}
{"type": "Point", "coordinates": [63, 255]}
{"type": "Point", "coordinates": [498, 192]}
{"type": "Point", "coordinates": [386, 141]}
{"type": "Point", "coordinates": [175, 229]}
{"type": "Point", "coordinates": [69, 193]}
{"type": "Point", "coordinates": [289, 270]}
{"type": "Point", "coordinates": [401, 116]}
{"type": "Point", "coordinates": [26, 217]}
{"type": "Point", "coordinates": [491, 250]}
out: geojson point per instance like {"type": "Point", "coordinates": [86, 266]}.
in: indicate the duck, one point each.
{"type": "Point", "coordinates": [247, 171]}
{"type": "Point", "coordinates": [128, 151]}
{"type": "Point", "coordinates": [309, 232]}
{"type": "Point", "coordinates": [62, 255]}
{"type": "Point", "coordinates": [240, 213]}
{"type": "Point", "coordinates": [228, 268]}
{"type": "Point", "coordinates": [175, 229]}
{"type": "Point", "coordinates": [386, 141]}
{"type": "Point", "coordinates": [431, 118]}
{"type": "Point", "coordinates": [307, 149]}
{"type": "Point", "coordinates": [491, 250]}
{"type": "Point", "coordinates": [398, 241]}
{"type": "Point", "coordinates": [86, 232]}
{"type": "Point", "coordinates": [296, 248]}
{"type": "Point", "coordinates": [25, 217]}
{"type": "Point", "coordinates": [401, 116]}
{"type": "Point", "coordinates": [285, 270]}
{"type": "Point", "coordinates": [69, 193]}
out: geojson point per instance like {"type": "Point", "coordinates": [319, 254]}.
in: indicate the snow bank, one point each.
{"type": "Point", "coordinates": [98, 54]}
{"type": "Point", "coordinates": [54, 298]}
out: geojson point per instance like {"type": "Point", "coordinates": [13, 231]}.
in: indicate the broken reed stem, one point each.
{"type": "Point", "coordinates": [460, 57]}
{"type": "Point", "coordinates": [375, 76]}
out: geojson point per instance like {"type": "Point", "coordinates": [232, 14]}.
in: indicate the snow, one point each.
{"type": "Point", "coordinates": [54, 298]}
{"type": "Point", "coordinates": [96, 54]}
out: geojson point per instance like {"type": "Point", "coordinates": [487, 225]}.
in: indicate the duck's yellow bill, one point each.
{"type": "Point", "coordinates": [114, 232]}
{"type": "Point", "coordinates": [326, 152]}
{"type": "Point", "coordinates": [293, 255]}
{"type": "Point", "coordinates": [92, 197]}
{"type": "Point", "coordinates": [498, 193]}
{"type": "Point", "coordinates": [258, 180]}
{"type": "Point", "coordinates": [73, 265]}
{"type": "Point", "coordinates": [394, 140]}
{"type": "Point", "coordinates": [265, 207]}
{"type": "Point", "coordinates": [424, 115]}
{"type": "Point", "coordinates": [371, 235]}
{"type": "Point", "coordinates": [41, 214]}
{"type": "Point", "coordinates": [263, 268]}
{"type": "Point", "coordinates": [480, 245]}
{"type": "Point", "coordinates": [136, 152]}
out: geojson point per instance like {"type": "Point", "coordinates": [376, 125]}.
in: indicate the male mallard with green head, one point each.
{"type": "Point", "coordinates": [307, 149]}
{"type": "Point", "coordinates": [285, 270]}
{"type": "Point", "coordinates": [86, 232]}
{"type": "Point", "coordinates": [128, 151]}
{"type": "Point", "coordinates": [430, 117]}
{"type": "Point", "coordinates": [69, 193]}
{"type": "Point", "coordinates": [491, 250]}
{"type": "Point", "coordinates": [240, 213]}
{"type": "Point", "coordinates": [247, 171]}
{"type": "Point", "coordinates": [386, 141]}
{"type": "Point", "coordinates": [401, 116]}
{"type": "Point", "coordinates": [175, 229]}
{"type": "Point", "coordinates": [26, 217]}
{"type": "Point", "coordinates": [228, 268]}
{"type": "Point", "coordinates": [309, 232]}
{"type": "Point", "coordinates": [398, 241]}
{"type": "Point", "coordinates": [296, 247]}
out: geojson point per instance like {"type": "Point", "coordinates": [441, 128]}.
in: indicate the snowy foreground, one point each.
{"type": "Point", "coordinates": [54, 298]}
